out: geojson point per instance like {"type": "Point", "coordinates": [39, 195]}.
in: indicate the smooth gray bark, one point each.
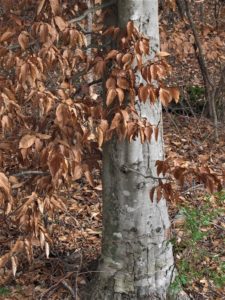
{"type": "Point", "coordinates": [137, 261]}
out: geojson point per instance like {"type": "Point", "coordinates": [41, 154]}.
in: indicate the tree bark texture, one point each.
{"type": "Point", "coordinates": [137, 261]}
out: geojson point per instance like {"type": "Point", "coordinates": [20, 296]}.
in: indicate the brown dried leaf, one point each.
{"type": "Point", "coordinates": [99, 66]}
{"type": "Point", "coordinates": [148, 133]}
{"type": "Point", "coordinates": [156, 130]}
{"type": "Point", "coordinates": [102, 129]}
{"type": "Point", "coordinates": [123, 83]}
{"type": "Point", "coordinates": [111, 95]}
{"type": "Point", "coordinates": [43, 136]}
{"type": "Point", "coordinates": [77, 171]}
{"type": "Point", "coordinates": [165, 97]}
{"type": "Point", "coordinates": [4, 259]}
{"type": "Point", "coordinates": [100, 137]}
{"type": "Point", "coordinates": [47, 249]}
{"type": "Point", "coordinates": [55, 163]}
{"type": "Point", "coordinates": [159, 193]}
{"type": "Point", "coordinates": [175, 94]}
{"type": "Point", "coordinates": [58, 203]}
{"type": "Point", "coordinates": [127, 60]}
{"type": "Point", "coordinates": [112, 54]}
{"type": "Point", "coordinates": [42, 239]}
{"type": "Point", "coordinates": [4, 184]}
{"type": "Point", "coordinates": [6, 35]}
{"type": "Point", "coordinates": [14, 265]}
{"type": "Point", "coordinates": [152, 94]}
{"type": "Point", "coordinates": [27, 141]}
{"type": "Point", "coordinates": [104, 125]}
{"type": "Point", "coordinates": [116, 121]}
{"type": "Point", "coordinates": [151, 194]}
{"type": "Point", "coordinates": [55, 6]}
{"type": "Point", "coordinates": [23, 39]}
{"type": "Point", "coordinates": [60, 23]}
{"type": "Point", "coordinates": [110, 83]}
{"type": "Point", "coordinates": [130, 28]}
{"type": "Point", "coordinates": [159, 166]}
{"type": "Point", "coordinates": [120, 94]}
{"type": "Point", "coordinates": [143, 93]}
{"type": "Point", "coordinates": [162, 54]}
{"type": "Point", "coordinates": [88, 176]}
{"type": "Point", "coordinates": [40, 6]}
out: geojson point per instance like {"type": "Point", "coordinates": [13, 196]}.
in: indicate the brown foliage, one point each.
{"type": "Point", "coordinates": [51, 124]}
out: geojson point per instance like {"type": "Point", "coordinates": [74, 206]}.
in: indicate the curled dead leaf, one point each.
{"type": "Point", "coordinates": [27, 141]}
{"type": "Point", "coordinates": [111, 95]}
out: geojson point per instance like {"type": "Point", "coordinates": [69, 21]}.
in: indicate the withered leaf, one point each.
{"type": "Point", "coordinates": [23, 39]}
{"type": "Point", "coordinates": [111, 95]}
{"type": "Point", "coordinates": [27, 141]}
{"type": "Point", "coordinates": [143, 93]}
{"type": "Point", "coordinates": [123, 83]}
{"type": "Point", "coordinates": [55, 6]}
{"type": "Point", "coordinates": [156, 130]}
{"type": "Point", "coordinates": [60, 23]}
{"type": "Point", "coordinates": [40, 6]}
{"type": "Point", "coordinates": [6, 35]}
{"type": "Point", "coordinates": [112, 54]}
{"type": "Point", "coordinates": [120, 94]}
{"type": "Point", "coordinates": [110, 83]}
{"type": "Point", "coordinates": [4, 184]}
{"type": "Point", "coordinates": [175, 94]}
{"type": "Point", "coordinates": [162, 54]}
{"type": "Point", "coordinates": [165, 97]}
{"type": "Point", "coordinates": [130, 28]}
{"type": "Point", "coordinates": [77, 171]}
{"type": "Point", "coordinates": [14, 265]}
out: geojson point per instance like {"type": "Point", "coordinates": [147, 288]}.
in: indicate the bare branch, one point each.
{"type": "Point", "coordinates": [29, 173]}
{"type": "Point", "coordinates": [126, 169]}
{"type": "Point", "coordinates": [70, 289]}
{"type": "Point", "coordinates": [91, 10]}
{"type": "Point", "coordinates": [198, 51]}
{"type": "Point", "coordinates": [17, 46]}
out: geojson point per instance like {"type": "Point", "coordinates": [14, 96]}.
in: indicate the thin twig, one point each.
{"type": "Point", "coordinates": [17, 46]}
{"type": "Point", "coordinates": [54, 286]}
{"type": "Point", "coordinates": [125, 169]}
{"type": "Point", "coordinates": [209, 86]}
{"type": "Point", "coordinates": [173, 121]}
{"type": "Point", "coordinates": [91, 10]}
{"type": "Point", "coordinates": [29, 172]}
{"type": "Point", "coordinates": [70, 289]}
{"type": "Point", "coordinates": [199, 54]}
{"type": "Point", "coordinates": [196, 187]}
{"type": "Point", "coordinates": [77, 273]}
{"type": "Point", "coordinates": [95, 82]}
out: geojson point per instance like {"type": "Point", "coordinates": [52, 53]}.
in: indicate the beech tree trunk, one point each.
{"type": "Point", "coordinates": [137, 260]}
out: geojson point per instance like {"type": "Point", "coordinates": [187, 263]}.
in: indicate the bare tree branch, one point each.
{"type": "Point", "coordinates": [198, 51]}
{"type": "Point", "coordinates": [91, 10]}
{"type": "Point", "coordinates": [29, 172]}
{"type": "Point", "coordinates": [126, 169]}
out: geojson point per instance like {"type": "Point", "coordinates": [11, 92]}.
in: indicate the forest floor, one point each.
{"type": "Point", "coordinates": [198, 227]}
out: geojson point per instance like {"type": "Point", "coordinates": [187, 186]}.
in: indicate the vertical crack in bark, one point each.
{"type": "Point", "coordinates": [148, 267]}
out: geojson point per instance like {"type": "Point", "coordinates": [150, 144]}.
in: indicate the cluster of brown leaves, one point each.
{"type": "Point", "coordinates": [52, 126]}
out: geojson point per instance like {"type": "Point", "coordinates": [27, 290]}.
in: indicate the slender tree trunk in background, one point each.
{"type": "Point", "coordinates": [202, 15]}
{"type": "Point", "coordinates": [210, 87]}
{"type": "Point", "coordinates": [137, 260]}
{"type": "Point", "coordinates": [89, 28]}
{"type": "Point", "coordinates": [181, 8]}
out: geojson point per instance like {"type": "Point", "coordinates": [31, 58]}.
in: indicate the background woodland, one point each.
{"type": "Point", "coordinates": [53, 126]}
